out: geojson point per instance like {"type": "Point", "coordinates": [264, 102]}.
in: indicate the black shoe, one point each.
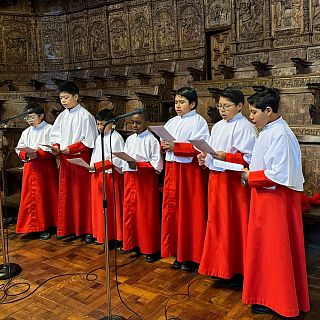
{"type": "Point", "coordinates": [64, 237]}
{"type": "Point", "coordinates": [236, 281]}
{"type": "Point", "coordinates": [260, 309]}
{"type": "Point", "coordinates": [45, 236]}
{"type": "Point", "coordinates": [153, 257]}
{"type": "Point", "coordinates": [176, 264]}
{"type": "Point", "coordinates": [88, 239]}
{"type": "Point", "coordinates": [136, 250]}
{"type": "Point", "coordinates": [189, 266]}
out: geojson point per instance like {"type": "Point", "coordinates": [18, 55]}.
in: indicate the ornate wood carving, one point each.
{"type": "Point", "coordinates": [119, 34]}
{"type": "Point", "coordinates": [165, 26]}
{"type": "Point", "coordinates": [190, 15]}
{"type": "Point", "coordinates": [217, 13]}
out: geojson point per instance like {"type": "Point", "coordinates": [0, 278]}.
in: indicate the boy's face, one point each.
{"type": "Point", "coordinates": [68, 100]}
{"type": "Point", "coordinates": [33, 119]}
{"type": "Point", "coordinates": [100, 125]}
{"type": "Point", "coordinates": [258, 117]}
{"type": "Point", "coordinates": [182, 105]}
{"type": "Point", "coordinates": [228, 109]}
{"type": "Point", "coordinates": [139, 124]}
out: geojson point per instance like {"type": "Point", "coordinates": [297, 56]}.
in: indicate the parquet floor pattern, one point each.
{"type": "Point", "coordinates": [144, 287]}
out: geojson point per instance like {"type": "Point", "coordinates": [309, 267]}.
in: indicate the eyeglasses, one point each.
{"type": "Point", "coordinates": [225, 107]}
{"type": "Point", "coordinates": [31, 117]}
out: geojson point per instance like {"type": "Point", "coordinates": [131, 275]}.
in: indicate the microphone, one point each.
{"type": "Point", "coordinates": [31, 110]}
{"type": "Point", "coordinates": [128, 114]}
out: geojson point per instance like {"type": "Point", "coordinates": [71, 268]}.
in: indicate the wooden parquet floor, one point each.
{"type": "Point", "coordinates": [68, 292]}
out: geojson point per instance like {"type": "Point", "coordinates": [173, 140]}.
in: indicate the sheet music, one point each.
{"type": "Point", "coordinates": [202, 146]}
{"type": "Point", "coordinates": [227, 165]}
{"type": "Point", "coordinates": [80, 162]}
{"type": "Point", "coordinates": [123, 156]}
{"type": "Point", "coordinates": [162, 132]}
{"type": "Point", "coordinates": [49, 146]}
{"type": "Point", "coordinates": [26, 149]}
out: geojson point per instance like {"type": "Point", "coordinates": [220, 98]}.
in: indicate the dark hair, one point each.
{"type": "Point", "coordinates": [69, 87]}
{"type": "Point", "coordinates": [189, 93]}
{"type": "Point", "coordinates": [104, 115]}
{"type": "Point", "coordinates": [269, 97]}
{"type": "Point", "coordinates": [233, 94]}
{"type": "Point", "coordinates": [145, 114]}
{"type": "Point", "coordinates": [35, 107]}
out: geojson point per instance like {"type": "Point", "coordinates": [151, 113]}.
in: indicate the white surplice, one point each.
{"type": "Point", "coordinates": [32, 137]}
{"type": "Point", "coordinates": [235, 135]}
{"type": "Point", "coordinates": [117, 144]}
{"type": "Point", "coordinates": [74, 125]}
{"type": "Point", "coordinates": [144, 147]}
{"type": "Point", "coordinates": [278, 153]}
{"type": "Point", "coordinates": [190, 126]}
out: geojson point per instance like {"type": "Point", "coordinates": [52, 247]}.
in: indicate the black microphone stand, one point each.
{"type": "Point", "coordinates": [106, 240]}
{"type": "Point", "coordinates": [8, 269]}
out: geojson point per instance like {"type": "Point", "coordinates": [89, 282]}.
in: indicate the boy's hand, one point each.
{"type": "Point", "coordinates": [244, 176]}
{"type": "Point", "coordinates": [92, 168]}
{"type": "Point", "coordinates": [201, 158]}
{"type": "Point", "coordinates": [220, 155]}
{"type": "Point", "coordinates": [32, 155]}
{"type": "Point", "coordinates": [55, 150]}
{"type": "Point", "coordinates": [167, 145]}
{"type": "Point", "coordinates": [65, 151]}
{"type": "Point", "coordinates": [132, 165]}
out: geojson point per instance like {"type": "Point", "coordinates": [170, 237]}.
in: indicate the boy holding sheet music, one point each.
{"type": "Point", "coordinates": [275, 276]}
{"type": "Point", "coordinates": [73, 135]}
{"type": "Point", "coordinates": [141, 207]}
{"type": "Point", "coordinates": [232, 140]}
{"type": "Point", "coordinates": [113, 141]}
{"type": "Point", "coordinates": [184, 206]}
{"type": "Point", "coordinates": [39, 194]}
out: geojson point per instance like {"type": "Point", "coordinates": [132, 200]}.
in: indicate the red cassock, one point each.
{"type": "Point", "coordinates": [114, 219]}
{"type": "Point", "coordinates": [184, 207]}
{"type": "Point", "coordinates": [228, 214]}
{"type": "Point", "coordinates": [39, 194]}
{"type": "Point", "coordinates": [141, 209]}
{"type": "Point", "coordinates": [74, 204]}
{"type": "Point", "coordinates": [275, 270]}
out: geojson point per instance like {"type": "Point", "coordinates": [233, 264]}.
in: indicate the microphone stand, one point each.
{"type": "Point", "coordinates": [8, 269]}
{"type": "Point", "coordinates": [106, 239]}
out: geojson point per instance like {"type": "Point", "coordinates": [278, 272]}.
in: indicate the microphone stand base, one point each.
{"type": "Point", "coordinates": [113, 317]}
{"type": "Point", "coordinates": [9, 270]}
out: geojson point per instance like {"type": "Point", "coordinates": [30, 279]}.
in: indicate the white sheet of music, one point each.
{"type": "Point", "coordinates": [26, 149]}
{"type": "Point", "coordinates": [123, 156]}
{"type": "Point", "coordinates": [202, 146]}
{"type": "Point", "coordinates": [80, 162]}
{"type": "Point", "coordinates": [162, 132]}
{"type": "Point", "coordinates": [228, 165]}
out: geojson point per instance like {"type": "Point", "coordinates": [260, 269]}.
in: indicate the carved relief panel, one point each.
{"type": "Point", "coordinates": [51, 39]}
{"type": "Point", "coordinates": [217, 13]}
{"type": "Point", "coordinates": [98, 34]}
{"type": "Point", "coordinates": [78, 37]}
{"type": "Point", "coordinates": [165, 26]}
{"type": "Point", "coordinates": [250, 20]}
{"type": "Point", "coordinates": [119, 34]}
{"type": "Point", "coordinates": [140, 30]}
{"type": "Point", "coordinates": [18, 38]}
{"type": "Point", "coordinates": [220, 52]}
{"type": "Point", "coordinates": [190, 24]}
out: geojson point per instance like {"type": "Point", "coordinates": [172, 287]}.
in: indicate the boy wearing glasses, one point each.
{"type": "Point", "coordinates": [275, 277]}
{"type": "Point", "coordinates": [233, 139]}
{"type": "Point", "coordinates": [39, 194]}
{"type": "Point", "coordinates": [73, 135]}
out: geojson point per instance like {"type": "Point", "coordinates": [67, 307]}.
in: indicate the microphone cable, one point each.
{"type": "Point", "coordinates": [115, 219]}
